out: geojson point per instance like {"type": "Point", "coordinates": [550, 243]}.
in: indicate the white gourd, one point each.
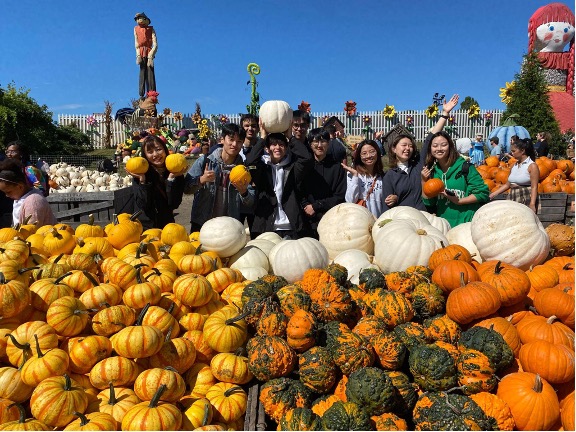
{"type": "Point", "coordinates": [398, 213]}
{"type": "Point", "coordinates": [252, 273]}
{"type": "Point", "coordinates": [249, 256]}
{"type": "Point", "coordinates": [461, 235]}
{"type": "Point", "coordinates": [270, 236]}
{"type": "Point", "coordinates": [400, 244]}
{"type": "Point", "coordinates": [355, 261]}
{"type": "Point", "coordinates": [346, 226]}
{"type": "Point", "coordinates": [508, 231]}
{"type": "Point", "coordinates": [223, 235]}
{"type": "Point", "coordinates": [437, 222]}
{"type": "Point", "coordinates": [292, 258]}
{"type": "Point", "coordinates": [276, 116]}
{"type": "Point", "coordinates": [262, 244]}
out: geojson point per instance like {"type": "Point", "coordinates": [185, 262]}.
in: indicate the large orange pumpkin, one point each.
{"type": "Point", "coordinates": [553, 362]}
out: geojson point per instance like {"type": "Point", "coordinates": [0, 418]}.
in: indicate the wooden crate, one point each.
{"type": "Point", "coordinates": [255, 418]}
{"type": "Point", "coordinates": [74, 208]}
{"type": "Point", "coordinates": [552, 208]}
{"type": "Point", "coordinates": [569, 218]}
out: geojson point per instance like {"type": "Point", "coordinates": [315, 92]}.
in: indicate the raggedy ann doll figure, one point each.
{"type": "Point", "coordinates": [146, 47]}
{"type": "Point", "coordinates": [550, 29]}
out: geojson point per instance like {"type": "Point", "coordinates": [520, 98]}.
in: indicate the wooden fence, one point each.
{"type": "Point", "coordinates": [462, 127]}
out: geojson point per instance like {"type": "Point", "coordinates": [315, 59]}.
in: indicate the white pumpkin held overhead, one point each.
{"type": "Point", "coordinates": [276, 116]}
{"type": "Point", "coordinates": [346, 226]}
{"type": "Point", "coordinates": [508, 231]}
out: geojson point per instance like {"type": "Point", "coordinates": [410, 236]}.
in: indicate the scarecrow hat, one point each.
{"type": "Point", "coordinates": [141, 15]}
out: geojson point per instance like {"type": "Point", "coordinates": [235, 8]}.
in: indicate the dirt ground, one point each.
{"type": "Point", "coordinates": [183, 212]}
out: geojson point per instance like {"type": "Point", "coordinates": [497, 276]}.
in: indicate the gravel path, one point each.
{"type": "Point", "coordinates": [183, 212]}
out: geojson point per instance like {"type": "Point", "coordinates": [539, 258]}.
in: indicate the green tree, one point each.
{"type": "Point", "coordinates": [468, 102]}
{"type": "Point", "coordinates": [22, 118]}
{"type": "Point", "coordinates": [530, 101]}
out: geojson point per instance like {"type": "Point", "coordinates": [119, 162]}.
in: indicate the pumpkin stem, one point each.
{"type": "Point", "coordinates": [2, 279]}
{"type": "Point", "coordinates": [240, 352]}
{"type": "Point", "coordinates": [206, 414]}
{"type": "Point", "coordinates": [537, 384]}
{"type": "Point", "coordinates": [231, 391]}
{"type": "Point", "coordinates": [91, 278]}
{"type": "Point", "coordinates": [171, 369]}
{"type": "Point", "coordinates": [156, 398]}
{"type": "Point", "coordinates": [498, 267]}
{"type": "Point", "coordinates": [453, 408]}
{"type": "Point", "coordinates": [90, 219]}
{"type": "Point", "coordinates": [24, 270]}
{"type": "Point", "coordinates": [80, 241]}
{"type": "Point", "coordinates": [142, 248]}
{"type": "Point", "coordinates": [171, 308]}
{"type": "Point", "coordinates": [21, 410]}
{"type": "Point", "coordinates": [457, 256]}
{"type": "Point", "coordinates": [68, 382]}
{"type": "Point", "coordinates": [135, 215]}
{"type": "Point", "coordinates": [551, 319]}
{"type": "Point", "coordinates": [59, 279]}
{"type": "Point", "coordinates": [568, 267]}
{"type": "Point", "coordinates": [38, 350]}
{"type": "Point", "coordinates": [58, 258]}
{"type": "Point", "coordinates": [462, 282]}
{"type": "Point", "coordinates": [167, 337]}
{"type": "Point", "coordinates": [139, 275]}
{"type": "Point", "coordinates": [237, 318]}
{"type": "Point", "coordinates": [17, 344]}
{"type": "Point", "coordinates": [83, 419]}
{"type": "Point", "coordinates": [56, 234]}
{"type": "Point", "coordinates": [112, 399]}
{"type": "Point", "coordinates": [154, 270]}
{"type": "Point", "coordinates": [142, 313]}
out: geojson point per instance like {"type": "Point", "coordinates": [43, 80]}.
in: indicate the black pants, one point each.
{"type": "Point", "coordinates": [147, 78]}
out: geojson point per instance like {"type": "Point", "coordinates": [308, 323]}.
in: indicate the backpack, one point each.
{"type": "Point", "coordinates": [464, 170]}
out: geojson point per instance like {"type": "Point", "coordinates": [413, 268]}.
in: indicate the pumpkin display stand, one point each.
{"type": "Point", "coordinates": [256, 419]}
{"type": "Point", "coordinates": [554, 208]}
{"type": "Point", "coordinates": [75, 208]}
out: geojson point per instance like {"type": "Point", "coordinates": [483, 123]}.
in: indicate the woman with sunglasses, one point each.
{"type": "Point", "coordinates": [29, 202]}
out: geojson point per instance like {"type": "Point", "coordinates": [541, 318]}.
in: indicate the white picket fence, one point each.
{"type": "Point", "coordinates": [462, 127]}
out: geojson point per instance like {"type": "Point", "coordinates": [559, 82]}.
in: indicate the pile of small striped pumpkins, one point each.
{"type": "Point", "coordinates": [555, 175]}
{"type": "Point", "coordinates": [102, 331]}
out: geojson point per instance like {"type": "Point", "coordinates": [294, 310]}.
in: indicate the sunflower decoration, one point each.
{"type": "Point", "coordinates": [474, 111]}
{"type": "Point", "coordinates": [367, 120]}
{"type": "Point", "coordinates": [488, 118]}
{"type": "Point", "coordinates": [389, 111]}
{"type": "Point", "coordinates": [223, 118]}
{"type": "Point", "coordinates": [178, 116]}
{"type": "Point", "coordinates": [410, 120]}
{"type": "Point", "coordinates": [304, 106]}
{"type": "Point", "coordinates": [350, 108]}
{"type": "Point", "coordinates": [451, 119]}
{"type": "Point", "coordinates": [507, 92]}
{"type": "Point", "coordinates": [167, 112]}
{"type": "Point", "coordinates": [325, 119]}
{"type": "Point", "coordinates": [432, 111]}
{"type": "Point", "coordinates": [196, 118]}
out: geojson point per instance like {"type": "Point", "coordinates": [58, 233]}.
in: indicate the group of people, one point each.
{"type": "Point", "coordinates": [298, 175]}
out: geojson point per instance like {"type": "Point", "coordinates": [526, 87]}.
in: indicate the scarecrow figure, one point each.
{"type": "Point", "coordinates": [146, 47]}
{"type": "Point", "coordinates": [550, 29]}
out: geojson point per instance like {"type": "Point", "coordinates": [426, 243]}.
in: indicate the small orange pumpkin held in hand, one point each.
{"type": "Point", "coordinates": [433, 187]}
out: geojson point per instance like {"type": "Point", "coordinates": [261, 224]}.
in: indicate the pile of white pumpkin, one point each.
{"type": "Point", "coordinates": [73, 179]}
{"type": "Point", "coordinates": [401, 237]}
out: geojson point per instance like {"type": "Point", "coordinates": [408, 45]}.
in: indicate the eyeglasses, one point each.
{"type": "Point", "coordinates": [369, 153]}
{"type": "Point", "coordinates": [11, 152]}
{"type": "Point", "coordinates": [300, 125]}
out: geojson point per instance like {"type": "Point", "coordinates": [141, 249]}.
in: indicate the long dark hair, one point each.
{"type": "Point", "coordinates": [393, 159]}
{"type": "Point", "coordinates": [12, 171]}
{"type": "Point", "coordinates": [378, 167]}
{"type": "Point", "coordinates": [452, 153]}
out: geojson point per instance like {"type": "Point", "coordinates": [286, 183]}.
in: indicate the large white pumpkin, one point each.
{"type": "Point", "coordinates": [249, 256]}
{"type": "Point", "coordinates": [437, 222]}
{"type": "Point", "coordinates": [398, 213]}
{"type": "Point", "coordinates": [252, 273]}
{"type": "Point", "coordinates": [270, 236]}
{"type": "Point", "coordinates": [508, 231]}
{"type": "Point", "coordinates": [291, 258]}
{"type": "Point", "coordinates": [346, 226]}
{"type": "Point", "coordinates": [355, 261]}
{"type": "Point", "coordinates": [462, 236]}
{"type": "Point", "coordinates": [276, 115]}
{"type": "Point", "coordinates": [223, 235]}
{"type": "Point", "coordinates": [404, 243]}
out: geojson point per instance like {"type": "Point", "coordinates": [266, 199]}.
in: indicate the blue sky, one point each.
{"type": "Point", "coordinates": [73, 55]}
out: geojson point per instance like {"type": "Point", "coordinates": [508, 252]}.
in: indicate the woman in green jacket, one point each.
{"type": "Point", "coordinates": [465, 190]}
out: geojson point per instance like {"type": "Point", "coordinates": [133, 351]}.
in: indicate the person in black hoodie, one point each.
{"type": "Point", "coordinates": [325, 186]}
{"type": "Point", "coordinates": [280, 168]}
{"type": "Point", "coordinates": [158, 192]}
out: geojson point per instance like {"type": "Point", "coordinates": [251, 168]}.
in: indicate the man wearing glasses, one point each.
{"type": "Point", "coordinates": [300, 125]}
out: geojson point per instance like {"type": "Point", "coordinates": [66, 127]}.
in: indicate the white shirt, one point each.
{"type": "Point", "coordinates": [519, 174]}
{"type": "Point", "coordinates": [357, 188]}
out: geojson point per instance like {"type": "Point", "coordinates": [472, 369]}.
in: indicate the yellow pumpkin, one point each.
{"type": "Point", "coordinates": [176, 163]}
{"type": "Point", "coordinates": [240, 175]}
{"type": "Point", "coordinates": [137, 165]}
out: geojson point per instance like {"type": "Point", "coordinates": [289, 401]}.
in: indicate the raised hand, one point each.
{"type": "Point", "coordinates": [449, 106]}
{"type": "Point", "coordinates": [351, 170]}
{"type": "Point", "coordinates": [208, 176]}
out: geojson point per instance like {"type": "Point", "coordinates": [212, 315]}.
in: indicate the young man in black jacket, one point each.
{"type": "Point", "coordinates": [325, 186]}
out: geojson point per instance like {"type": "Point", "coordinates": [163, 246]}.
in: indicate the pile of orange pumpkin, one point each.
{"type": "Point", "coordinates": [116, 328]}
{"type": "Point", "coordinates": [555, 175]}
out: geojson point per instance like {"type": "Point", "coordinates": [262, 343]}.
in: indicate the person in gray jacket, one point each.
{"type": "Point", "coordinates": [209, 180]}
